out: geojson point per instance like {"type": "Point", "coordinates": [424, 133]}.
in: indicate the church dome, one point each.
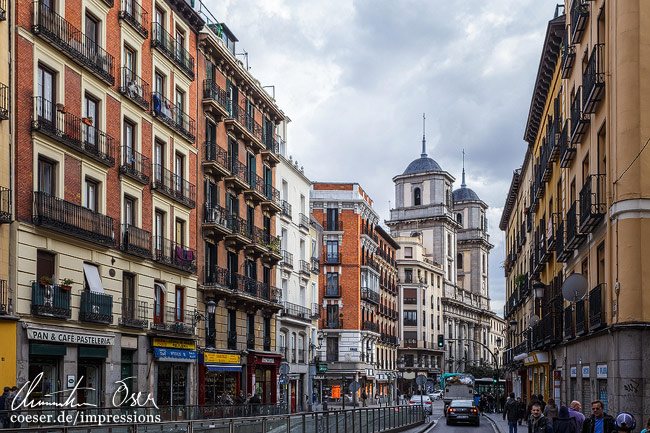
{"type": "Point", "coordinates": [422, 165]}
{"type": "Point", "coordinates": [465, 194]}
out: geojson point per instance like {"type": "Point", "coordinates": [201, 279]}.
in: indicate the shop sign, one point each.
{"type": "Point", "coordinates": [173, 344]}
{"type": "Point", "coordinates": [174, 353]}
{"type": "Point", "coordinates": [585, 371]}
{"type": "Point", "coordinates": [319, 377]}
{"type": "Point", "coordinates": [322, 368]}
{"type": "Point", "coordinates": [220, 358]}
{"type": "Point", "coordinates": [574, 371]}
{"type": "Point", "coordinates": [267, 360]}
{"type": "Point", "coordinates": [601, 371]}
{"type": "Point", "coordinates": [70, 337]}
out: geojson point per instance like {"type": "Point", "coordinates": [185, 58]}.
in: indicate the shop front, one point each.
{"type": "Point", "coordinates": [262, 369]}
{"type": "Point", "coordinates": [174, 364]}
{"type": "Point", "coordinates": [538, 380]}
{"type": "Point", "coordinates": [219, 374]}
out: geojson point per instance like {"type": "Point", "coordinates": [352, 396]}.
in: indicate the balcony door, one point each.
{"type": "Point", "coordinates": [90, 124]}
{"type": "Point", "coordinates": [46, 94]}
{"type": "Point", "coordinates": [232, 269]}
{"type": "Point", "coordinates": [332, 348]}
{"type": "Point", "coordinates": [158, 303]}
{"type": "Point", "coordinates": [159, 160]}
{"type": "Point", "coordinates": [44, 264]}
{"type": "Point", "coordinates": [179, 165]}
{"type": "Point", "coordinates": [159, 227]}
{"type": "Point", "coordinates": [332, 219]}
{"type": "Point", "coordinates": [332, 315]}
{"type": "Point", "coordinates": [332, 251]}
{"type": "Point", "coordinates": [128, 296]}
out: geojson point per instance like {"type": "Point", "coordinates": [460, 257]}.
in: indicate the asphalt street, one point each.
{"type": "Point", "coordinates": [442, 427]}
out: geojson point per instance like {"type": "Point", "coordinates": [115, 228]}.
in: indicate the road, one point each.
{"type": "Point", "coordinates": [442, 427]}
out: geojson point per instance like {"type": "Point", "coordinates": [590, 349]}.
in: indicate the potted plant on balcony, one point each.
{"type": "Point", "coordinates": [87, 120]}
{"type": "Point", "coordinates": [45, 281]}
{"type": "Point", "coordinates": [61, 107]}
{"type": "Point", "coordinates": [66, 284]}
{"type": "Point", "coordinates": [520, 279]}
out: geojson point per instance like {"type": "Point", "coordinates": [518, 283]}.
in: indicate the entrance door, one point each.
{"type": "Point", "coordinates": [126, 370]}
{"type": "Point", "coordinates": [49, 382]}
{"type": "Point", "coordinates": [89, 373]}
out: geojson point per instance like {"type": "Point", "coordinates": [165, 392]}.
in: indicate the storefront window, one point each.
{"type": "Point", "coordinates": [50, 382]}
{"type": "Point", "coordinates": [263, 385]}
{"type": "Point", "coordinates": [172, 384]}
{"type": "Point", "coordinates": [216, 383]}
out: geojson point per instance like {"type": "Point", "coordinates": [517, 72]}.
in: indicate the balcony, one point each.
{"type": "Point", "coordinates": [410, 322]}
{"type": "Point", "coordinates": [562, 253]}
{"type": "Point", "coordinates": [170, 253]}
{"type": "Point", "coordinates": [173, 116]}
{"type": "Point", "coordinates": [305, 269]}
{"type": "Point", "coordinates": [581, 317]}
{"type": "Point", "coordinates": [568, 55]}
{"type": "Point", "coordinates": [579, 120]}
{"type": "Point", "coordinates": [260, 241]}
{"type": "Point", "coordinates": [232, 340]}
{"type": "Point", "coordinates": [369, 295]}
{"type": "Point", "coordinates": [270, 153]}
{"type": "Point", "coordinates": [370, 326]}
{"type": "Point", "coordinates": [216, 277]}
{"type": "Point", "coordinates": [238, 177]}
{"type": "Point", "coordinates": [250, 341]}
{"type": "Point", "coordinates": [171, 319]}
{"type": "Point", "coordinates": [287, 259]}
{"type": "Point", "coordinates": [4, 297]}
{"type": "Point", "coordinates": [592, 202]}
{"type": "Point", "coordinates": [244, 127]}
{"type": "Point", "coordinates": [567, 149]}
{"type": "Point", "coordinates": [303, 221]}
{"type": "Point", "coordinates": [240, 235]}
{"type": "Point", "coordinates": [135, 165]}
{"type": "Point", "coordinates": [579, 15]}
{"type": "Point", "coordinates": [285, 209]}
{"type": "Point", "coordinates": [597, 318]}
{"type": "Point", "coordinates": [216, 222]}
{"type": "Point", "coordinates": [215, 100]}
{"type": "Point", "coordinates": [136, 241]}
{"type": "Point", "coordinates": [132, 12]}
{"type": "Point", "coordinates": [215, 162]}
{"type": "Point", "coordinates": [134, 314]}
{"type": "Point", "coordinates": [173, 186]}
{"type": "Point", "coordinates": [256, 192]}
{"type": "Point", "coordinates": [315, 311]}
{"type": "Point", "coordinates": [333, 226]}
{"type": "Point", "coordinates": [96, 307]}
{"type": "Point", "coordinates": [332, 323]}
{"type": "Point", "coordinates": [271, 202]}
{"type": "Point", "coordinates": [296, 311]}
{"type": "Point", "coordinates": [50, 301]}
{"type": "Point", "coordinates": [73, 43]}
{"type": "Point", "coordinates": [167, 45]}
{"type": "Point", "coordinates": [72, 220]}
{"type": "Point", "coordinates": [593, 80]}
{"type": "Point", "coordinates": [5, 205]}
{"type": "Point", "coordinates": [4, 102]}
{"type": "Point", "coordinates": [332, 258]}
{"type": "Point", "coordinates": [70, 130]}
{"type": "Point", "coordinates": [332, 291]}
{"type": "Point", "coordinates": [315, 266]}
{"type": "Point", "coordinates": [273, 254]}
{"type": "Point", "coordinates": [134, 87]}
{"type": "Point", "coordinates": [251, 288]}
{"type": "Point", "coordinates": [573, 238]}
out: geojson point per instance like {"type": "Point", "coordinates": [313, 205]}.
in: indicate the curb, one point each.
{"type": "Point", "coordinates": [429, 427]}
{"type": "Point", "coordinates": [495, 427]}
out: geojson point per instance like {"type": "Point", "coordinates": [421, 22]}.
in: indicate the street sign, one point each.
{"type": "Point", "coordinates": [421, 380]}
{"type": "Point", "coordinates": [322, 368]}
{"type": "Point", "coordinates": [354, 386]}
{"type": "Point", "coordinates": [284, 379]}
{"type": "Point", "coordinates": [284, 368]}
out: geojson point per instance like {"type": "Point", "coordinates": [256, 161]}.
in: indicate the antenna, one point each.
{"type": "Point", "coordinates": [424, 139]}
{"type": "Point", "coordinates": [273, 87]}
{"type": "Point", "coordinates": [245, 54]}
{"type": "Point", "coordinates": [462, 185]}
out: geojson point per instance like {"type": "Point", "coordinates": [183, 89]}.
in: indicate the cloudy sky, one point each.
{"type": "Point", "coordinates": [356, 76]}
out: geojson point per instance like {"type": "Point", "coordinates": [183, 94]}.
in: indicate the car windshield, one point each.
{"type": "Point", "coordinates": [462, 403]}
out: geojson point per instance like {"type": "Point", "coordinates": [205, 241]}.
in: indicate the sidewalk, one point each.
{"type": "Point", "coordinates": [502, 425]}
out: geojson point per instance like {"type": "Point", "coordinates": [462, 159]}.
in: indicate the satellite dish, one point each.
{"type": "Point", "coordinates": [533, 320]}
{"type": "Point", "coordinates": [574, 287]}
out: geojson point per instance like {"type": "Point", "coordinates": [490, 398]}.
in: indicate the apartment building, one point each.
{"type": "Point", "coordinates": [587, 206]}
{"type": "Point", "coordinates": [350, 287]}
{"type": "Point", "coordinates": [104, 259]}
{"type": "Point", "coordinates": [239, 151]}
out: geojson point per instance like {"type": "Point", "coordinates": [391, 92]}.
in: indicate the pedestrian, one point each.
{"type": "Point", "coordinates": [537, 423]}
{"type": "Point", "coordinates": [647, 427]}
{"type": "Point", "coordinates": [4, 414]}
{"type": "Point", "coordinates": [624, 422]}
{"type": "Point", "coordinates": [599, 421]}
{"type": "Point", "coordinates": [540, 397]}
{"type": "Point", "coordinates": [491, 401]}
{"type": "Point", "coordinates": [564, 423]}
{"type": "Point", "coordinates": [533, 400]}
{"type": "Point", "coordinates": [364, 396]}
{"type": "Point", "coordinates": [575, 412]}
{"type": "Point", "coordinates": [13, 399]}
{"type": "Point", "coordinates": [482, 404]}
{"type": "Point", "coordinates": [521, 406]}
{"type": "Point", "coordinates": [377, 399]}
{"type": "Point", "coordinates": [255, 402]}
{"type": "Point", "coordinates": [502, 402]}
{"type": "Point", "coordinates": [551, 410]}
{"type": "Point", "coordinates": [511, 412]}
{"type": "Point", "coordinates": [399, 397]}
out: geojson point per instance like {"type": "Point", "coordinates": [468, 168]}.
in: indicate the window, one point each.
{"type": "Point", "coordinates": [158, 302]}
{"type": "Point", "coordinates": [332, 349]}
{"type": "Point", "coordinates": [93, 34]}
{"type": "Point", "coordinates": [159, 83]}
{"type": "Point", "coordinates": [410, 318]}
{"type": "Point", "coordinates": [332, 313]}
{"type": "Point", "coordinates": [408, 275]}
{"type": "Point", "coordinates": [91, 194]}
{"type": "Point", "coordinates": [417, 199]}
{"type": "Point", "coordinates": [159, 229]}
{"type": "Point", "coordinates": [130, 62]}
{"type": "Point", "coordinates": [332, 284]}
{"type": "Point", "coordinates": [159, 160]}
{"type": "Point", "coordinates": [459, 260]}
{"type": "Point", "coordinates": [128, 295]}
{"type": "Point", "coordinates": [180, 41]}
{"type": "Point", "coordinates": [46, 176]}
{"type": "Point", "coordinates": [459, 219]}
{"type": "Point", "coordinates": [45, 262]}
{"type": "Point", "coordinates": [179, 301]}
{"type": "Point", "coordinates": [159, 17]}
{"type": "Point", "coordinates": [129, 138]}
{"type": "Point", "coordinates": [92, 112]}
{"type": "Point", "coordinates": [180, 106]}
{"type": "Point", "coordinates": [600, 254]}
{"type": "Point", "coordinates": [408, 252]}
{"type": "Point", "coordinates": [46, 93]}
{"type": "Point", "coordinates": [332, 251]}
{"type": "Point", "coordinates": [332, 219]}
{"type": "Point", "coordinates": [179, 165]}
{"type": "Point", "coordinates": [180, 233]}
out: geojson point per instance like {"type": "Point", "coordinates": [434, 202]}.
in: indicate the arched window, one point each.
{"type": "Point", "coordinates": [459, 218]}
{"type": "Point", "coordinates": [459, 259]}
{"type": "Point", "coordinates": [417, 199]}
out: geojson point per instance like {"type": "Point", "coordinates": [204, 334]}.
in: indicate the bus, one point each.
{"type": "Point", "coordinates": [456, 386]}
{"type": "Point", "coordinates": [486, 384]}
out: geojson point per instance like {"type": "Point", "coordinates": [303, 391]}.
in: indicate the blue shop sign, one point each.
{"type": "Point", "coordinates": [175, 354]}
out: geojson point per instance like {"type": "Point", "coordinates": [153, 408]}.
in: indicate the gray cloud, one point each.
{"type": "Point", "coordinates": [355, 77]}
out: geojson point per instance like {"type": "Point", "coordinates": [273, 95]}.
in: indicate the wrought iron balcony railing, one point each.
{"type": "Point", "coordinates": [4, 297]}
{"type": "Point", "coordinates": [250, 341]}
{"type": "Point", "coordinates": [232, 340]}
{"type": "Point", "coordinates": [287, 259]}
{"type": "Point", "coordinates": [246, 121]}
{"type": "Point", "coordinates": [71, 219]}
{"type": "Point", "coordinates": [134, 87]}
{"type": "Point", "coordinates": [136, 241]}
{"type": "Point", "coordinates": [132, 12]}
{"type": "Point", "coordinates": [96, 307]}
{"type": "Point", "coordinates": [366, 325]}
{"type": "Point", "coordinates": [169, 318]}
{"type": "Point", "coordinates": [578, 15]}
{"type": "Point", "coordinates": [296, 311]}
{"type": "Point", "coordinates": [315, 311]}
{"type": "Point", "coordinates": [569, 331]}
{"type": "Point", "coordinates": [286, 209]}
{"type": "Point", "coordinates": [135, 165]}
{"type": "Point", "coordinates": [304, 220]}
{"type": "Point", "coordinates": [172, 49]}
{"type": "Point", "coordinates": [78, 134]}
{"type": "Point", "coordinates": [568, 55]}
{"type": "Point", "coordinates": [172, 254]}
{"type": "Point", "coordinates": [72, 42]}
{"type": "Point", "coordinates": [217, 155]}
{"type": "Point", "coordinates": [50, 301]}
{"type": "Point", "coordinates": [3, 10]}
{"type": "Point", "coordinates": [304, 267]}
{"type": "Point", "coordinates": [173, 116]}
{"type": "Point", "coordinates": [218, 216]}
{"type": "Point", "coordinates": [581, 317]}
{"type": "Point", "coordinates": [5, 205]}
{"type": "Point", "coordinates": [593, 79]}
{"type": "Point", "coordinates": [597, 318]}
{"type": "Point", "coordinates": [256, 289]}
{"type": "Point", "coordinates": [212, 91]}
{"type": "Point", "coordinates": [567, 148]}
{"type": "Point", "coordinates": [216, 276]}
{"type": "Point", "coordinates": [134, 314]}
{"type": "Point", "coordinates": [333, 226]}
{"type": "Point", "coordinates": [573, 237]}
{"type": "Point", "coordinates": [579, 120]}
{"type": "Point", "coordinates": [592, 202]}
{"type": "Point", "coordinates": [315, 266]}
{"type": "Point", "coordinates": [173, 186]}
{"type": "Point", "coordinates": [333, 290]}
{"type": "Point", "coordinates": [332, 258]}
{"type": "Point", "coordinates": [332, 323]}
{"type": "Point", "coordinates": [369, 295]}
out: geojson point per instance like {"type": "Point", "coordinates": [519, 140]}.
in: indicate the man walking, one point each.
{"type": "Point", "coordinates": [538, 422]}
{"type": "Point", "coordinates": [575, 412]}
{"type": "Point", "coordinates": [511, 412]}
{"type": "Point", "coordinates": [599, 421]}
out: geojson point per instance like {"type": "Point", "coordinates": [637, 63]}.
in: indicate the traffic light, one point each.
{"type": "Point", "coordinates": [441, 340]}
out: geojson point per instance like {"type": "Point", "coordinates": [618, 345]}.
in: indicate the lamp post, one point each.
{"type": "Point", "coordinates": [539, 288]}
{"type": "Point", "coordinates": [400, 367]}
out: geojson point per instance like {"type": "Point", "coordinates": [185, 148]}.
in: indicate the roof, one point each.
{"type": "Point", "coordinates": [465, 194]}
{"type": "Point", "coordinates": [422, 165]}
{"type": "Point", "coordinates": [387, 237]}
{"type": "Point", "coordinates": [511, 199]}
{"type": "Point", "coordinates": [545, 72]}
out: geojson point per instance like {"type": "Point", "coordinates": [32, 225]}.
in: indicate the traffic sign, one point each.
{"type": "Point", "coordinates": [284, 368]}
{"type": "Point", "coordinates": [421, 379]}
{"type": "Point", "coordinates": [284, 379]}
{"type": "Point", "coordinates": [354, 386]}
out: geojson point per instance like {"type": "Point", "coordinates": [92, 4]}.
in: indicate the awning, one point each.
{"type": "Point", "coordinates": [160, 286]}
{"type": "Point", "coordinates": [92, 277]}
{"type": "Point", "coordinates": [174, 355]}
{"type": "Point", "coordinates": [223, 367]}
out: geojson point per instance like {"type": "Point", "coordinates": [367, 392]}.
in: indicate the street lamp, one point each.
{"type": "Point", "coordinates": [539, 287]}
{"type": "Point", "coordinates": [513, 325]}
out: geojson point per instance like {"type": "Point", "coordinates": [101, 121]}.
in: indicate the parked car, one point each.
{"type": "Point", "coordinates": [436, 395]}
{"type": "Point", "coordinates": [422, 400]}
{"type": "Point", "coordinates": [463, 411]}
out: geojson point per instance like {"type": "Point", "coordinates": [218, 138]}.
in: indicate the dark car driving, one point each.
{"type": "Point", "coordinates": [463, 411]}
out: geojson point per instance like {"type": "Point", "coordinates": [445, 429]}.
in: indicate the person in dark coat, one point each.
{"type": "Point", "coordinates": [599, 421]}
{"type": "Point", "coordinates": [537, 423]}
{"type": "Point", "coordinates": [521, 405]}
{"type": "Point", "coordinates": [511, 412]}
{"type": "Point", "coordinates": [564, 423]}
{"type": "Point", "coordinates": [4, 415]}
